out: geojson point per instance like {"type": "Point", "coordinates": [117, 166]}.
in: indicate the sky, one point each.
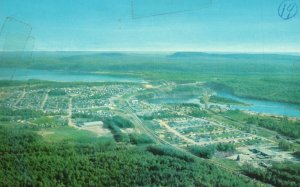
{"type": "Point", "coordinates": [157, 25]}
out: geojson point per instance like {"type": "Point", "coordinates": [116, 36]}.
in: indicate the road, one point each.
{"type": "Point", "coordinates": [20, 98]}
{"type": "Point", "coordinates": [70, 122]}
{"type": "Point", "coordinates": [44, 100]}
{"type": "Point", "coordinates": [139, 124]}
{"type": "Point", "coordinates": [168, 128]}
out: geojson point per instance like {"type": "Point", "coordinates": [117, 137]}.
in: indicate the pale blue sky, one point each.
{"type": "Point", "coordinates": [226, 25]}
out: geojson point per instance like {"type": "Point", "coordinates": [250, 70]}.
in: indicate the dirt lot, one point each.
{"type": "Point", "coordinates": [96, 127]}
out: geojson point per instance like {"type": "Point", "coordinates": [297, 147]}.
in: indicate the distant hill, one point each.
{"type": "Point", "coordinates": [179, 62]}
{"type": "Point", "coordinates": [188, 54]}
{"type": "Point", "coordinates": [112, 54]}
{"type": "Point", "coordinates": [182, 55]}
{"type": "Point", "coordinates": [95, 55]}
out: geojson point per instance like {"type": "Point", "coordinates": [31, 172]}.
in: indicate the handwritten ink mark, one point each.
{"type": "Point", "coordinates": [287, 9]}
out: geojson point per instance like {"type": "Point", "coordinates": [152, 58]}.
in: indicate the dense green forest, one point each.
{"type": "Point", "coordinates": [282, 126]}
{"type": "Point", "coordinates": [209, 151]}
{"type": "Point", "coordinates": [280, 174]}
{"type": "Point", "coordinates": [28, 160]}
{"type": "Point", "coordinates": [275, 87]}
{"type": "Point", "coordinates": [221, 100]}
{"type": "Point", "coordinates": [8, 113]}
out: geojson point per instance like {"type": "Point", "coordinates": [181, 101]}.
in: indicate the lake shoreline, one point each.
{"type": "Point", "coordinates": [261, 106]}
{"type": "Point", "coordinates": [63, 76]}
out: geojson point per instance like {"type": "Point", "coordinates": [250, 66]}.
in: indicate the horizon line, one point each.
{"type": "Point", "coordinates": [167, 51]}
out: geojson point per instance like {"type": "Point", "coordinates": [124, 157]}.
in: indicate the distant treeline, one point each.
{"type": "Point", "coordinates": [57, 92]}
{"type": "Point", "coordinates": [209, 151]}
{"type": "Point", "coordinates": [19, 113]}
{"type": "Point", "coordinates": [283, 88]}
{"type": "Point", "coordinates": [282, 126]}
{"type": "Point", "coordinates": [203, 63]}
{"type": "Point", "coordinates": [278, 124]}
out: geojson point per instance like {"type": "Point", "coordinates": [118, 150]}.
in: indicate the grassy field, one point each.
{"type": "Point", "coordinates": [59, 134]}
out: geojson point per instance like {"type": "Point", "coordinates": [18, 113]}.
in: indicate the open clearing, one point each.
{"type": "Point", "coordinates": [67, 134]}
{"type": "Point", "coordinates": [97, 128]}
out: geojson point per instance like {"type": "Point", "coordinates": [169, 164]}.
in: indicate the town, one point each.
{"type": "Point", "coordinates": [167, 113]}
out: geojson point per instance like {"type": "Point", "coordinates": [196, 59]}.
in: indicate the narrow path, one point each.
{"type": "Point", "coordinates": [213, 132]}
{"type": "Point", "coordinates": [20, 98]}
{"type": "Point", "coordinates": [70, 122]}
{"type": "Point", "coordinates": [191, 126]}
{"type": "Point", "coordinates": [139, 123]}
{"type": "Point", "coordinates": [165, 125]}
{"type": "Point", "coordinates": [45, 100]}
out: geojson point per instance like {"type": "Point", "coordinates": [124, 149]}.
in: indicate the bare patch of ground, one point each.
{"type": "Point", "coordinates": [148, 86]}
{"type": "Point", "coordinates": [45, 133]}
{"type": "Point", "coordinates": [3, 95]}
{"type": "Point", "coordinates": [97, 128]}
{"type": "Point", "coordinates": [128, 130]}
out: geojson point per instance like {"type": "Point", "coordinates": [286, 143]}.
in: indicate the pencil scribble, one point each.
{"type": "Point", "coordinates": [16, 41]}
{"type": "Point", "coordinates": [160, 8]}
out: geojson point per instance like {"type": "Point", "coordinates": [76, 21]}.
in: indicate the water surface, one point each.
{"type": "Point", "coordinates": [252, 105]}
{"type": "Point", "coordinates": [61, 76]}
{"type": "Point", "coordinates": [263, 106]}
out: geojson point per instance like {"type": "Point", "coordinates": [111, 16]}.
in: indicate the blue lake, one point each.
{"type": "Point", "coordinates": [263, 106]}
{"type": "Point", "coordinates": [61, 76]}
{"type": "Point", "coordinates": [259, 106]}
{"type": "Point", "coordinates": [253, 105]}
